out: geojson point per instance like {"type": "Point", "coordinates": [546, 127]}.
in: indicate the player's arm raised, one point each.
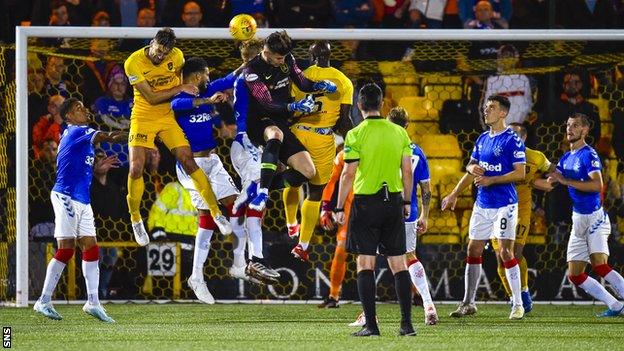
{"type": "Point", "coordinates": [160, 96]}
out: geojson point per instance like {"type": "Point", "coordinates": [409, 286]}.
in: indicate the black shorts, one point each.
{"type": "Point", "coordinates": [290, 144]}
{"type": "Point", "coordinates": [376, 224]}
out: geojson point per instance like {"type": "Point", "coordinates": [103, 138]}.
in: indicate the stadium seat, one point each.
{"type": "Point", "coordinates": [603, 109]}
{"type": "Point", "coordinates": [445, 185]}
{"type": "Point", "coordinates": [443, 229]}
{"type": "Point", "coordinates": [398, 72]}
{"type": "Point", "coordinates": [465, 223]}
{"type": "Point", "coordinates": [437, 94]}
{"type": "Point", "coordinates": [397, 92]}
{"type": "Point", "coordinates": [419, 108]}
{"type": "Point", "coordinates": [441, 146]}
{"type": "Point", "coordinates": [417, 129]}
{"type": "Point", "coordinates": [433, 80]}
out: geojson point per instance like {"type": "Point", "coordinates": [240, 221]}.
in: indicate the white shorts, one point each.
{"type": "Point", "coordinates": [488, 223]}
{"type": "Point", "coordinates": [410, 236]}
{"type": "Point", "coordinates": [245, 158]}
{"type": "Point", "coordinates": [72, 219]}
{"type": "Point", "coordinates": [589, 235]}
{"type": "Point", "coordinates": [221, 182]}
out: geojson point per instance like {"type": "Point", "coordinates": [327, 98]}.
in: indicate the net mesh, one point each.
{"type": "Point", "coordinates": [438, 83]}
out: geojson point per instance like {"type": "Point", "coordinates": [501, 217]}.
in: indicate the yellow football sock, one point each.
{"type": "Point", "coordinates": [205, 190]}
{"type": "Point", "coordinates": [290, 195]}
{"type": "Point", "coordinates": [501, 273]}
{"type": "Point", "coordinates": [309, 218]}
{"type": "Point", "coordinates": [524, 274]}
{"type": "Point", "coordinates": [135, 195]}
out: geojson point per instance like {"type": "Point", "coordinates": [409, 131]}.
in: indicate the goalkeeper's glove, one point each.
{"type": "Point", "coordinates": [305, 105]}
{"type": "Point", "coordinates": [326, 220]}
{"type": "Point", "coordinates": [325, 86]}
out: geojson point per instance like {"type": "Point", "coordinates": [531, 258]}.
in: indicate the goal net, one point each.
{"type": "Point", "coordinates": [439, 77]}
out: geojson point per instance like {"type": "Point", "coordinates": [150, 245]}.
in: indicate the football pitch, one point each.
{"type": "Point", "coordinates": [304, 327]}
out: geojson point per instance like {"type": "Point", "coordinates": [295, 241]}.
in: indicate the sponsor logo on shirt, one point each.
{"type": "Point", "coordinates": [519, 154]}
{"type": "Point", "coordinates": [251, 77]}
{"type": "Point", "coordinates": [202, 117]}
{"type": "Point", "coordinates": [132, 78]}
{"type": "Point", "coordinates": [492, 168]}
{"type": "Point", "coordinates": [282, 83]}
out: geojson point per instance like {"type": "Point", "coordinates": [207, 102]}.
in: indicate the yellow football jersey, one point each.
{"type": "Point", "coordinates": [166, 75]}
{"type": "Point", "coordinates": [327, 111]}
{"type": "Point", "coordinates": [535, 161]}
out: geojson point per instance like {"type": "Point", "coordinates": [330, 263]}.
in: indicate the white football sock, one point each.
{"type": "Point", "coordinates": [513, 277]}
{"type": "Point", "coordinates": [254, 226]}
{"type": "Point", "coordinates": [53, 274]}
{"type": "Point", "coordinates": [239, 243]}
{"type": "Point", "coordinates": [202, 247]}
{"type": "Point", "coordinates": [419, 279]}
{"type": "Point", "coordinates": [595, 289]}
{"type": "Point", "coordinates": [471, 281]}
{"type": "Point", "coordinates": [91, 273]}
{"type": "Point", "coordinates": [617, 282]}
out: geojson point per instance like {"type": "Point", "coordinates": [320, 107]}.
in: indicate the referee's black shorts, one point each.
{"type": "Point", "coordinates": [290, 144]}
{"type": "Point", "coordinates": [377, 224]}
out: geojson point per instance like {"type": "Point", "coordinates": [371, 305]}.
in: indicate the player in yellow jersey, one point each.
{"type": "Point", "coordinates": [536, 164]}
{"type": "Point", "coordinates": [315, 131]}
{"type": "Point", "coordinates": [155, 73]}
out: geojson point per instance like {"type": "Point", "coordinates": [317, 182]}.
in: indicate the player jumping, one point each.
{"type": "Point", "coordinates": [579, 170]}
{"type": "Point", "coordinates": [154, 72]}
{"type": "Point", "coordinates": [74, 223]}
{"type": "Point", "coordinates": [315, 132]}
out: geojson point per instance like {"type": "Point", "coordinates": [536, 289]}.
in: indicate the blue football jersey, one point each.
{"type": "Point", "coordinates": [241, 104]}
{"type": "Point", "coordinates": [420, 170]}
{"type": "Point", "coordinates": [110, 112]}
{"type": "Point", "coordinates": [578, 165]}
{"type": "Point", "coordinates": [497, 154]}
{"type": "Point", "coordinates": [197, 122]}
{"type": "Point", "coordinates": [74, 163]}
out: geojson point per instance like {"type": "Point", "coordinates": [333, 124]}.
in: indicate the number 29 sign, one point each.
{"type": "Point", "coordinates": [161, 259]}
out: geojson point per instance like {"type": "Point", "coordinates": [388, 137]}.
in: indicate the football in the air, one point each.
{"type": "Point", "coordinates": [243, 27]}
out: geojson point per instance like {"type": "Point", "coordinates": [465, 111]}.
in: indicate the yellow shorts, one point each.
{"type": "Point", "coordinates": [522, 228]}
{"type": "Point", "coordinates": [322, 148]}
{"type": "Point", "coordinates": [143, 132]}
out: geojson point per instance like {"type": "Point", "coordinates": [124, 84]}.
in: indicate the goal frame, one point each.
{"type": "Point", "coordinates": [24, 33]}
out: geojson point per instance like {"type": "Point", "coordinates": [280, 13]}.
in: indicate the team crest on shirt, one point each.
{"type": "Point", "coordinates": [170, 66]}
{"type": "Point", "coordinates": [285, 68]}
{"type": "Point", "coordinates": [498, 151]}
{"type": "Point", "coordinates": [595, 163]}
{"type": "Point", "coordinates": [577, 166]}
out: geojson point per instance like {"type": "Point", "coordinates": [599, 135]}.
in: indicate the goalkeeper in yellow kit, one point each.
{"type": "Point", "coordinates": [155, 73]}
{"type": "Point", "coordinates": [536, 164]}
{"type": "Point", "coordinates": [315, 131]}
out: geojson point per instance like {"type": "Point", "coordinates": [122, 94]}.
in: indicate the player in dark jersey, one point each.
{"type": "Point", "coordinates": [268, 78]}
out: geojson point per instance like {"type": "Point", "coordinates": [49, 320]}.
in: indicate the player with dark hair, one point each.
{"type": "Point", "coordinates": [497, 161]}
{"type": "Point", "coordinates": [536, 165]}
{"type": "Point", "coordinates": [71, 199]}
{"type": "Point", "coordinates": [580, 170]}
{"type": "Point", "coordinates": [155, 73]}
{"type": "Point", "coordinates": [268, 78]}
{"type": "Point", "coordinates": [316, 132]}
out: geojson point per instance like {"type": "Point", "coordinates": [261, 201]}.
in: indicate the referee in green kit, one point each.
{"type": "Point", "coordinates": [378, 167]}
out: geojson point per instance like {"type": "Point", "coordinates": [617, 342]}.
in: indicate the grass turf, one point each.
{"type": "Point", "coordinates": [304, 327]}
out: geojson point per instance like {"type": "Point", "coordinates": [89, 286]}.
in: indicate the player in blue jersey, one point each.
{"type": "Point", "coordinates": [197, 118]}
{"type": "Point", "coordinates": [579, 170]}
{"type": "Point", "coordinates": [497, 161]}
{"type": "Point", "coordinates": [74, 224]}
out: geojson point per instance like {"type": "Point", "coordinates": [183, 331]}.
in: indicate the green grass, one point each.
{"type": "Point", "coordinates": [304, 327]}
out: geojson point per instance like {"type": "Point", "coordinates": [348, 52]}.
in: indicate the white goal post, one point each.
{"type": "Point", "coordinates": [24, 33]}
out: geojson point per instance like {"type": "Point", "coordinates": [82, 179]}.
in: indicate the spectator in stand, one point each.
{"type": "Point", "coordinates": [94, 73]}
{"type": "Point", "coordinates": [515, 87]}
{"type": "Point", "coordinates": [587, 14]}
{"type": "Point", "coordinates": [37, 96]}
{"type": "Point", "coordinates": [255, 8]}
{"type": "Point", "coordinates": [485, 17]}
{"type": "Point", "coordinates": [109, 206]}
{"type": "Point", "coordinates": [426, 13]}
{"type": "Point", "coordinates": [101, 19]}
{"type": "Point", "coordinates": [122, 12]}
{"type": "Point", "coordinates": [572, 101]}
{"type": "Point", "coordinates": [468, 12]}
{"type": "Point", "coordinates": [113, 113]}
{"type": "Point", "coordinates": [49, 126]}
{"type": "Point", "coordinates": [192, 15]}
{"type": "Point", "coordinates": [145, 18]}
{"type": "Point", "coordinates": [301, 13]}
{"type": "Point", "coordinates": [55, 83]}
{"type": "Point", "coordinates": [42, 177]}
{"type": "Point", "coordinates": [351, 13]}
